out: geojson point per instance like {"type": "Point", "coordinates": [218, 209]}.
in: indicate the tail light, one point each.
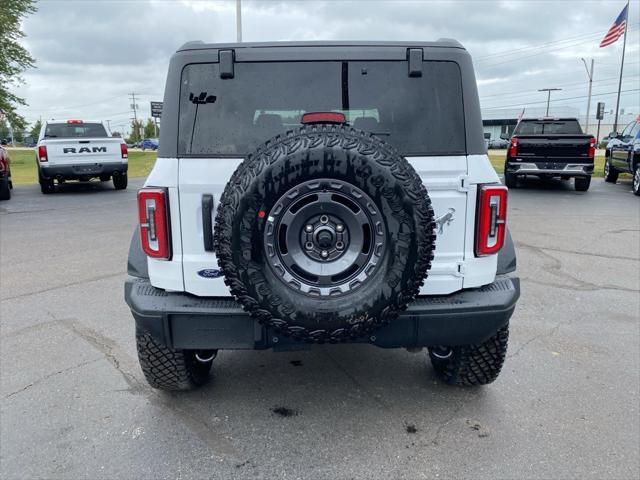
{"type": "Point", "coordinates": [74, 122]}
{"type": "Point", "coordinates": [592, 147]}
{"type": "Point", "coordinates": [153, 212]}
{"type": "Point", "coordinates": [42, 153]}
{"type": "Point", "coordinates": [124, 151]}
{"type": "Point", "coordinates": [491, 223]}
{"type": "Point", "coordinates": [513, 148]}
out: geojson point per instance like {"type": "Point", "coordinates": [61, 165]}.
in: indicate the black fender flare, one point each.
{"type": "Point", "coordinates": [507, 256]}
{"type": "Point", "coordinates": [137, 261]}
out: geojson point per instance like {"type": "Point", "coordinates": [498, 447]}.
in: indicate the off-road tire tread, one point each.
{"type": "Point", "coordinates": [169, 369]}
{"type": "Point", "coordinates": [268, 153]}
{"type": "Point", "coordinates": [473, 365]}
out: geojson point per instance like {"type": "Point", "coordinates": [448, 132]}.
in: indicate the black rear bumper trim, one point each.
{"type": "Point", "coordinates": [181, 320]}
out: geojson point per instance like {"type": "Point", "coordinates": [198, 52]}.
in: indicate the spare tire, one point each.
{"type": "Point", "coordinates": [325, 233]}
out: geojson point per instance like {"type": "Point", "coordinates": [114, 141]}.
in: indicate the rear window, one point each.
{"type": "Point", "coordinates": [550, 127]}
{"type": "Point", "coordinates": [75, 130]}
{"type": "Point", "coordinates": [418, 115]}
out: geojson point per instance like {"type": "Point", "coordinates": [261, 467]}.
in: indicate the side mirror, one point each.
{"type": "Point", "coordinates": [614, 135]}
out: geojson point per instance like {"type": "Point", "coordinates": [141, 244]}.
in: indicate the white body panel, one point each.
{"type": "Point", "coordinates": [82, 151]}
{"type": "Point", "coordinates": [450, 180]}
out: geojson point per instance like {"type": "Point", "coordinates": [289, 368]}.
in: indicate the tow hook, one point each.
{"type": "Point", "coordinates": [206, 356]}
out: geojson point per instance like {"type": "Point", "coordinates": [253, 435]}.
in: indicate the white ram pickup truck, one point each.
{"type": "Point", "coordinates": [79, 150]}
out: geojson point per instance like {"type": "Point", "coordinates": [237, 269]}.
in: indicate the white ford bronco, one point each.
{"type": "Point", "coordinates": [79, 150]}
{"type": "Point", "coordinates": [328, 192]}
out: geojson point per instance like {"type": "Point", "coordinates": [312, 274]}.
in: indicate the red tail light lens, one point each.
{"type": "Point", "coordinates": [42, 153]}
{"type": "Point", "coordinates": [124, 151]}
{"type": "Point", "coordinates": [74, 122]}
{"type": "Point", "coordinates": [153, 212]}
{"type": "Point", "coordinates": [592, 147]}
{"type": "Point", "coordinates": [324, 117]}
{"type": "Point", "coordinates": [513, 148]}
{"type": "Point", "coordinates": [491, 223]}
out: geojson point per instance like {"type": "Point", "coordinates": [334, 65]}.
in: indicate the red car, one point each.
{"type": "Point", "coordinates": [5, 175]}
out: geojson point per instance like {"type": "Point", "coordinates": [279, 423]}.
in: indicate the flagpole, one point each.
{"type": "Point", "coordinates": [624, 46]}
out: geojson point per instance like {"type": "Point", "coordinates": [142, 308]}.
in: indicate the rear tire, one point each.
{"type": "Point", "coordinates": [610, 173]}
{"type": "Point", "coordinates": [471, 365]}
{"type": "Point", "coordinates": [46, 185]}
{"type": "Point", "coordinates": [636, 179]}
{"type": "Point", "coordinates": [120, 181]}
{"type": "Point", "coordinates": [510, 180]}
{"type": "Point", "coordinates": [582, 183]}
{"type": "Point", "coordinates": [5, 189]}
{"type": "Point", "coordinates": [169, 369]}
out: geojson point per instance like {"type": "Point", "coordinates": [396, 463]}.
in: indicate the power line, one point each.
{"type": "Point", "coordinates": [511, 51]}
{"type": "Point", "coordinates": [543, 51]}
{"type": "Point", "coordinates": [532, 92]}
{"type": "Point", "coordinates": [558, 100]}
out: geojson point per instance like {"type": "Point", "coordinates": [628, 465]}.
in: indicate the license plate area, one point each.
{"type": "Point", "coordinates": [87, 169]}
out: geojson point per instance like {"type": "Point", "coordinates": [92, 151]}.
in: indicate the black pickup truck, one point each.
{"type": "Point", "coordinates": [548, 148]}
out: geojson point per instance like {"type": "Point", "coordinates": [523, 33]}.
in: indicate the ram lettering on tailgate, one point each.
{"type": "Point", "coordinates": [84, 150]}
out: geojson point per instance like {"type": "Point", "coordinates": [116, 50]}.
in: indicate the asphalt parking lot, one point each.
{"type": "Point", "coordinates": [75, 404]}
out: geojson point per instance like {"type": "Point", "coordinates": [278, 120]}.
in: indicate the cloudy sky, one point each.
{"type": "Point", "coordinates": [92, 54]}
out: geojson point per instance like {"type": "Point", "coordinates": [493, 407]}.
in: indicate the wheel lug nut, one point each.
{"type": "Point", "coordinates": [308, 228]}
{"type": "Point", "coordinates": [324, 254]}
{"type": "Point", "coordinates": [324, 219]}
{"type": "Point", "coordinates": [339, 228]}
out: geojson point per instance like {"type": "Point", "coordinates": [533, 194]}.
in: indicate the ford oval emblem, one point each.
{"type": "Point", "coordinates": [211, 273]}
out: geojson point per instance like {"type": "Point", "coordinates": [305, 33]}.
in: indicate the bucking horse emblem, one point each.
{"type": "Point", "coordinates": [445, 219]}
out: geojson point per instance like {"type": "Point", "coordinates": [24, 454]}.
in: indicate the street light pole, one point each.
{"type": "Point", "coordinates": [549, 90]}
{"type": "Point", "coordinates": [238, 21]}
{"type": "Point", "coordinates": [590, 75]}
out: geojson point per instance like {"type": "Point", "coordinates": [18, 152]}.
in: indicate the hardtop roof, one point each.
{"type": "Point", "coordinates": [440, 43]}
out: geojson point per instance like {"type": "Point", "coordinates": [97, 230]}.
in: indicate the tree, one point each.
{"type": "Point", "coordinates": [14, 58]}
{"type": "Point", "coordinates": [137, 128]}
{"type": "Point", "coordinates": [149, 129]}
{"type": "Point", "coordinates": [4, 130]}
{"type": "Point", "coordinates": [35, 130]}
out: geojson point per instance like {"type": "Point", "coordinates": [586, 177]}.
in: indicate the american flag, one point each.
{"type": "Point", "coordinates": [617, 29]}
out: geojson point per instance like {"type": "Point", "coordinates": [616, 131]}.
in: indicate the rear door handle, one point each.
{"type": "Point", "coordinates": [207, 223]}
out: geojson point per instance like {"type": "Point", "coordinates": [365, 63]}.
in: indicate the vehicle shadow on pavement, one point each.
{"type": "Point", "coordinates": [533, 183]}
{"type": "Point", "coordinates": [84, 187]}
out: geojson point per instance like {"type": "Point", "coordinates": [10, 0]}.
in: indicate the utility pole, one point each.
{"type": "Point", "coordinates": [590, 75]}
{"type": "Point", "coordinates": [624, 46]}
{"type": "Point", "coordinates": [108, 125]}
{"type": "Point", "coordinates": [548, 90]}
{"type": "Point", "coordinates": [134, 107]}
{"type": "Point", "coordinates": [238, 21]}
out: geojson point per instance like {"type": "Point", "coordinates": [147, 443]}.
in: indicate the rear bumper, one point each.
{"type": "Point", "coordinates": [564, 168]}
{"type": "Point", "coordinates": [180, 320]}
{"type": "Point", "coordinates": [85, 170]}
